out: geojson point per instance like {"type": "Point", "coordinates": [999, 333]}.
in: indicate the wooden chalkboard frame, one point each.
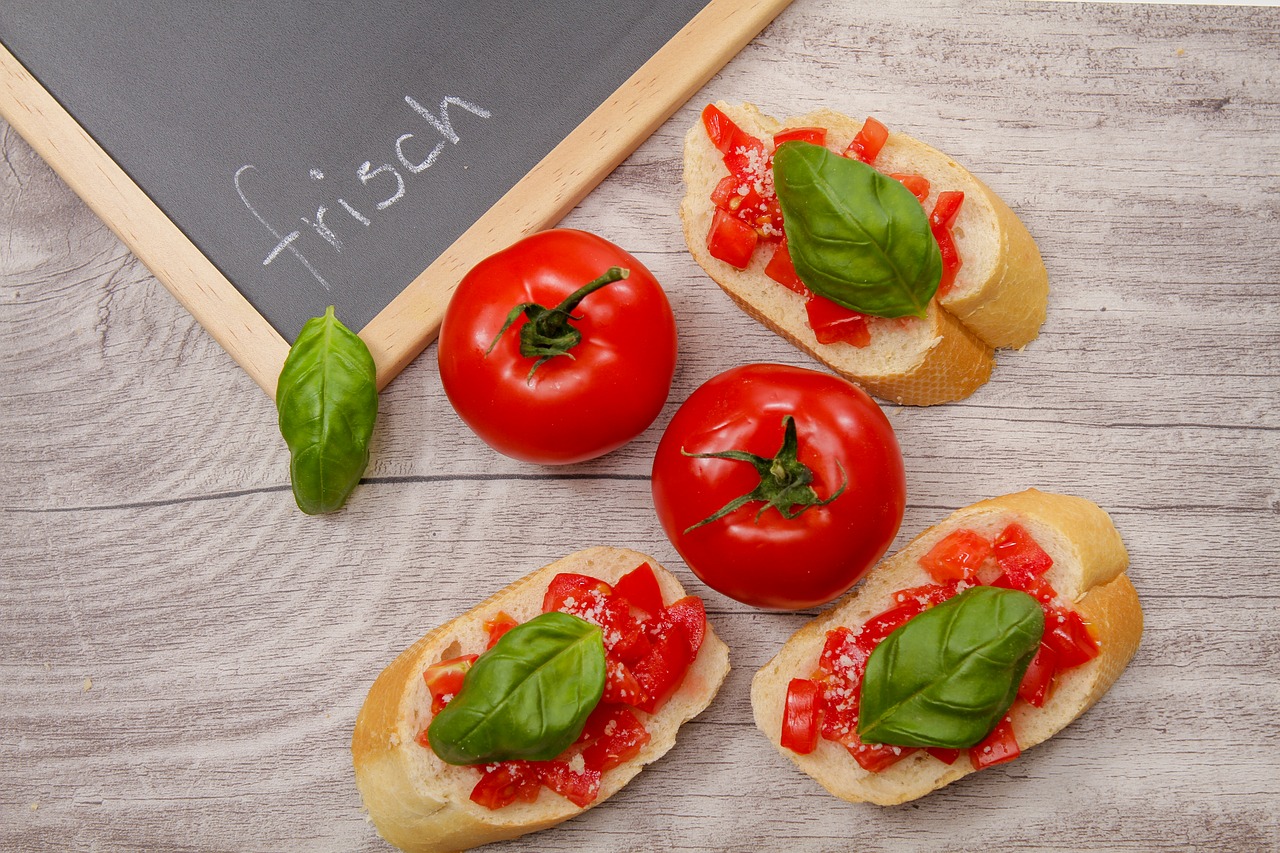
{"type": "Point", "coordinates": [411, 321]}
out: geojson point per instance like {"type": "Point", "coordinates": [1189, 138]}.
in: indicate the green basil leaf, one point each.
{"type": "Point", "coordinates": [526, 698]}
{"type": "Point", "coordinates": [327, 400]}
{"type": "Point", "coordinates": [857, 237]}
{"type": "Point", "coordinates": [946, 677]}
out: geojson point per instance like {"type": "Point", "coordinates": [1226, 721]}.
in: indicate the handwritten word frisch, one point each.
{"type": "Point", "coordinates": [385, 182]}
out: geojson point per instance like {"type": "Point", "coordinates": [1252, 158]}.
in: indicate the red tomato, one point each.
{"type": "Point", "coordinates": [604, 391]}
{"type": "Point", "coordinates": [755, 553]}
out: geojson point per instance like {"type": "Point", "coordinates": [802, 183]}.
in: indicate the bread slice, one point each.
{"type": "Point", "coordinates": [1089, 562]}
{"type": "Point", "coordinates": [998, 299]}
{"type": "Point", "coordinates": [420, 804]}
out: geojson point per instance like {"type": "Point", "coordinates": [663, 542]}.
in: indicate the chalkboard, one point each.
{"type": "Point", "coordinates": [267, 160]}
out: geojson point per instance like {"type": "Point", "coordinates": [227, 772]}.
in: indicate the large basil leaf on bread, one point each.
{"type": "Point", "coordinates": [856, 236]}
{"type": "Point", "coordinates": [946, 677]}
{"type": "Point", "coordinates": [526, 698]}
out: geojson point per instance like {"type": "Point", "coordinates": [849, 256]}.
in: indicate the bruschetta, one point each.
{"type": "Point", "coordinates": [535, 705]}
{"type": "Point", "coordinates": [984, 636]}
{"type": "Point", "coordinates": [914, 310]}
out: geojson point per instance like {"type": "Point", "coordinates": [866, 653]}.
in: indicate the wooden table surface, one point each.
{"type": "Point", "coordinates": [183, 653]}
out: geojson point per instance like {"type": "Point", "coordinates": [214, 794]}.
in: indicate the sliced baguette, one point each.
{"type": "Point", "coordinates": [420, 804]}
{"type": "Point", "coordinates": [1089, 562]}
{"type": "Point", "coordinates": [998, 299]}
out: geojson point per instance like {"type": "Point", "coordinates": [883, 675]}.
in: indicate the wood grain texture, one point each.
{"type": "Point", "coordinates": [182, 653]}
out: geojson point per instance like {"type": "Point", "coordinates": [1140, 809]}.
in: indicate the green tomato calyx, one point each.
{"type": "Point", "coordinates": [784, 480]}
{"type": "Point", "coordinates": [548, 332]}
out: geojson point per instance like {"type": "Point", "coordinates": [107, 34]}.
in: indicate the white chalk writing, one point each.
{"type": "Point", "coordinates": [386, 184]}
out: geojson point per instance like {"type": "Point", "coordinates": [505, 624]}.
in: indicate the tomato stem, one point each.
{"type": "Point", "coordinates": [549, 332]}
{"type": "Point", "coordinates": [784, 479]}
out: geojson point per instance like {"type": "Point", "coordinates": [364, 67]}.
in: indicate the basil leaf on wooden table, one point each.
{"type": "Point", "coordinates": [526, 698]}
{"type": "Point", "coordinates": [856, 236]}
{"type": "Point", "coordinates": [946, 677]}
{"type": "Point", "coordinates": [327, 400]}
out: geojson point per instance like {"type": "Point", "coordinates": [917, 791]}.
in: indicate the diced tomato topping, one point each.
{"type": "Point", "coordinates": [1021, 559]}
{"type": "Point", "coordinates": [874, 757]}
{"type": "Point", "coordinates": [783, 271]}
{"type": "Point", "coordinates": [570, 593]}
{"type": "Point", "coordinates": [731, 240]}
{"type": "Point", "coordinates": [662, 670]}
{"type": "Point", "coordinates": [946, 756]}
{"type": "Point", "coordinates": [1034, 688]}
{"type": "Point", "coordinates": [507, 782]}
{"type": "Point", "coordinates": [621, 686]}
{"type": "Point", "coordinates": [580, 787]}
{"type": "Point", "coordinates": [883, 624]}
{"type": "Point", "coordinates": [998, 747]}
{"type": "Point", "coordinates": [839, 645]}
{"type": "Point", "coordinates": [1067, 634]}
{"type": "Point", "coordinates": [690, 614]}
{"type": "Point", "coordinates": [800, 718]}
{"type": "Point", "coordinates": [814, 135]}
{"type": "Point", "coordinates": [1038, 588]}
{"type": "Point", "coordinates": [616, 738]}
{"type": "Point", "coordinates": [957, 556]}
{"type": "Point", "coordinates": [444, 679]}
{"type": "Point", "coordinates": [640, 589]}
{"type": "Point", "coordinates": [724, 133]}
{"type": "Point", "coordinates": [867, 143]}
{"type": "Point", "coordinates": [724, 192]}
{"type": "Point", "coordinates": [832, 323]}
{"type": "Point", "coordinates": [945, 211]}
{"type": "Point", "coordinates": [930, 594]}
{"type": "Point", "coordinates": [497, 626]}
{"type": "Point", "coordinates": [917, 184]}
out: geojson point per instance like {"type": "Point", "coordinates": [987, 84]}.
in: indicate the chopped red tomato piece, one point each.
{"type": "Point", "coordinates": [444, 679]}
{"type": "Point", "coordinates": [839, 646]}
{"type": "Point", "coordinates": [569, 592]}
{"type": "Point", "coordinates": [725, 192]}
{"type": "Point", "coordinates": [724, 133]}
{"type": "Point", "coordinates": [1067, 634]}
{"type": "Point", "coordinates": [661, 671]}
{"type": "Point", "coordinates": [814, 135]}
{"type": "Point", "coordinates": [800, 717]}
{"type": "Point", "coordinates": [497, 626]}
{"type": "Point", "coordinates": [998, 747]}
{"type": "Point", "coordinates": [616, 735]}
{"type": "Point", "coordinates": [867, 143]}
{"type": "Point", "coordinates": [929, 595]}
{"type": "Point", "coordinates": [640, 589]}
{"type": "Point", "coordinates": [917, 184]}
{"type": "Point", "coordinates": [731, 240]}
{"type": "Point", "coordinates": [957, 556]}
{"type": "Point", "coordinates": [1038, 588]}
{"type": "Point", "coordinates": [945, 211]}
{"type": "Point", "coordinates": [621, 686]}
{"type": "Point", "coordinates": [1021, 559]}
{"type": "Point", "coordinates": [580, 787]}
{"type": "Point", "coordinates": [946, 756]}
{"type": "Point", "coordinates": [506, 783]}
{"type": "Point", "coordinates": [1034, 688]}
{"type": "Point", "coordinates": [833, 323]}
{"type": "Point", "coordinates": [874, 757]}
{"type": "Point", "coordinates": [690, 614]}
{"type": "Point", "coordinates": [781, 270]}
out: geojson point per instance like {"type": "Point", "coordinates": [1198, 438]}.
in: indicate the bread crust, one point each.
{"type": "Point", "coordinates": [1088, 571]}
{"type": "Point", "coordinates": [420, 804]}
{"type": "Point", "coordinates": [999, 298]}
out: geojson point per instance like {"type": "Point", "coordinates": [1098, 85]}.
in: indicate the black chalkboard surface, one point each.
{"type": "Point", "coordinates": [322, 152]}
